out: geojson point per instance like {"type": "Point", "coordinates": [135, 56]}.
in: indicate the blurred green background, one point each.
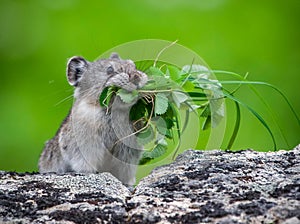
{"type": "Point", "coordinates": [38, 36]}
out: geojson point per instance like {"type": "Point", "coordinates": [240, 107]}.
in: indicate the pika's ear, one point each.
{"type": "Point", "coordinates": [75, 68]}
{"type": "Point", "coordinates": [114, 56]}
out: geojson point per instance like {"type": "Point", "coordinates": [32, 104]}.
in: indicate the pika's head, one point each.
{"type": "Point", "coordinates": [90, 78]}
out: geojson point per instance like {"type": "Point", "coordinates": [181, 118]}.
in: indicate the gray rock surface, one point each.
{"type": "Point", "coordinates": [50, 198]}
{"type": "Point", "coordinates": [199, 187]}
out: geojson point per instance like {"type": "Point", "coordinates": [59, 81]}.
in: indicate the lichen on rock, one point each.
{"type": "Point", "coordinates": [198, 187]}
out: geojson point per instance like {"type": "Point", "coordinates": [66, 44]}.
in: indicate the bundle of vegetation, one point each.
{"type": "Point", "coordinates": [171, 91]}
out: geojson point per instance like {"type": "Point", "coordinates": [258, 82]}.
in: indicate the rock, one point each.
{"type": "Point", "coordinates": [221, 187]}
{"type": "Point", "coordinates": [199, 187]}
{"type": "Point", "coordinates": [45, 198]}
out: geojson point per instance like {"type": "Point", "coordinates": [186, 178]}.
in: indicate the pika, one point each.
{"type": "Point", "coordinates": [93, 139]}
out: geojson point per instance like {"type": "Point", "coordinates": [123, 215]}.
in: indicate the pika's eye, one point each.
{"type": "Point", "coordinates": [110, 70]}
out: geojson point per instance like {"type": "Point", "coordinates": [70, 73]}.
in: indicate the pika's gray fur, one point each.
{"type": "Point", "coordinates": [92, 139]}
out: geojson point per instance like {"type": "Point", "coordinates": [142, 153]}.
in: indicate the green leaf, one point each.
{"type": "Point", "coordinates": [160, 124]}
{"type": "Point", "coordinates": [193, 107]}
{"type": "Point", "coordinates": [173, 72]}
{"type": "Point", "coordinates": [126, 96]}
{"type": "Point", "coordinates": [216, 99]}
{"type": "Point", "coordinates": [195, 69]}
{"type": "Point", "coordinates": [154, 71]}
{"type": "Point", "coordinates": [146, 136]}
{"type": "Point", "coordinates": [145, 159]}
{"type": "Point", "coordinates": [206, 111]}
{"type": "Point", "coordinates": [169, 122]}
{"type": "Point", "coordinates": [138, 110]}
{"type": "Point", "coordinates": [161, 103]}
{"type": "Point", "coordinates": [208, 84]}
{"type": "Point", "coordinates": [179, 97]}
{"type": "Point", "coordinates": [207, 123]}
{"type": "Point", "coordinates": [156, 152]}
{"type": "Point", "coordinates": [106, 96]}
{"type": "Point", "coordinates": [169, 114]}
{"type": "Point", "coordinates": [169, 134]}
{"type": "Point", "coordinates": [103, 97]}
{"type": "Point", "coordinates": [143, 65]}
{"type": "Point", "coordinates": [158, 82]}
{"type": "Point", "coordinates": [217, 111]}
{"type": "Point", "coordinates": [163, 142]}
{"type": "Point", "coordinates": [188, 86]}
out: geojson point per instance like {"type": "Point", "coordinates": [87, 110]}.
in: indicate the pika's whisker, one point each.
{"type": "Point", "coordinates": [63, 100]}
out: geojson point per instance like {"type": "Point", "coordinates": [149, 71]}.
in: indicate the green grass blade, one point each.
{"type": "Point", "coordinates": [187, 115]}
{"type": "Point", "coordinates": [236, 125]}
{"type": "Point", "coordinates": [262, 121]}
{"type": "Point", "coordinates": [240, 85]}
{"type": "Point", "coordinates": [176, 112]}
{"type": "Point", "coordinates": [272, 114]}
{"type": "Point", "coordinates": [259, 83]}
{"type": "Point", "coordinates": [186, 120]}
